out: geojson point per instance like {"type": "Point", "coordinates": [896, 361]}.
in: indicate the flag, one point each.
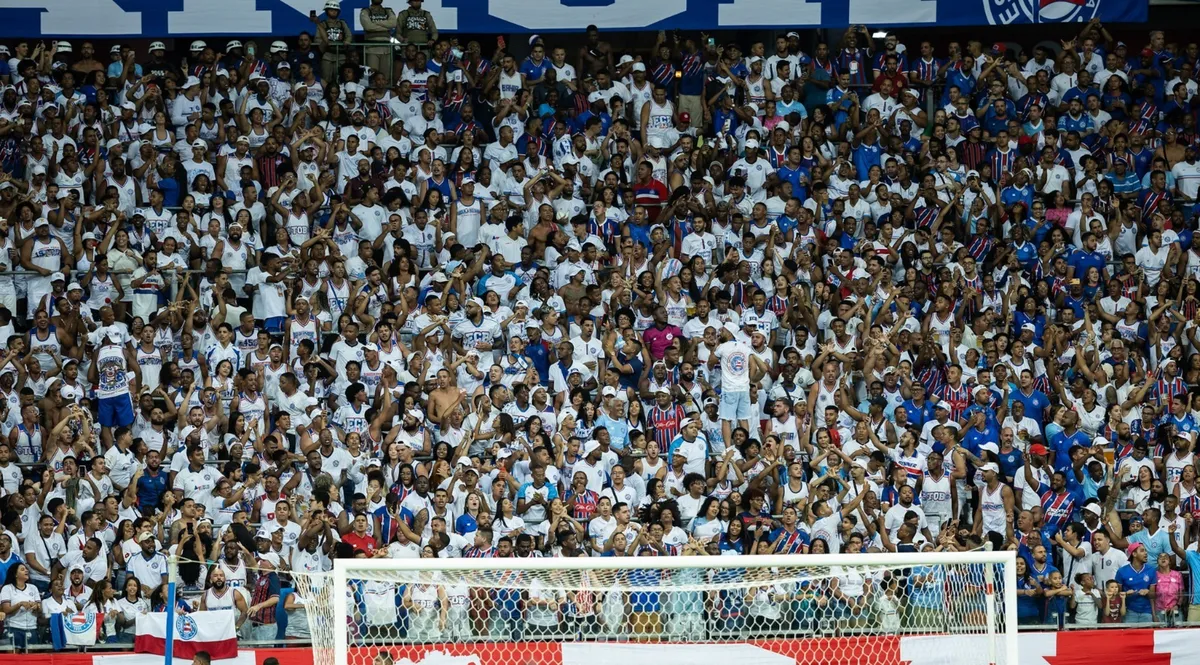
{"type": "Point", "coordinates": [75, 630]}
{"type": "Point", "coordinates": [214, 632]}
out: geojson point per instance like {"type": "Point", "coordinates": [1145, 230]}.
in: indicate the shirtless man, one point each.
{"type": "Point", "coordinates": [444, 398]}
{"type": "Point", "coordinates": [542, 232]}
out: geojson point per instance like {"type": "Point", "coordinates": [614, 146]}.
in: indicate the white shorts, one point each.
{"type": "Point", "coordinates": [735, 406]}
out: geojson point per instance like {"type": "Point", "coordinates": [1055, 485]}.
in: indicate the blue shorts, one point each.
{"type": "Point", "coordinates": [115, 411]}
{"type": "Point", "coordinates": [735, 406]}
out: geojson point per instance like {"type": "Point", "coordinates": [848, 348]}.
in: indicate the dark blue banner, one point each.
{"type": "Point", "coordinates": [185, 18]}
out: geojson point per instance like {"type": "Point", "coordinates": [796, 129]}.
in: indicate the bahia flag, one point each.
{"type": "Point", "coordinates": [76, 630]}
{"type": "Point", "coordinates": [214, 632]}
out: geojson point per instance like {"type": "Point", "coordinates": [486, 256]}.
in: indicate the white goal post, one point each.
{"type": "Point", "coordinates": [947, 608]}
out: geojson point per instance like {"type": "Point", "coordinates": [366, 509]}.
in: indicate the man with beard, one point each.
{"type": "Point", "coordinates": [198, 479]}
{"type": "Point", "coordinates": [152, 482]}
{"type": "Point", "coordinates": [477, 332]}
{"type": "Point", "coordinates": [89, 560]}
{"type": "Point", "coordinates": [411, 433]}
{"type": "Point", "coordinates": [43, 256]}
{"type": "Point", "coordinates": [418, 503]}
{"type": "Point", "coordinates": [219, 596]}
{"type": "Point", "coordinates": [235, 257]}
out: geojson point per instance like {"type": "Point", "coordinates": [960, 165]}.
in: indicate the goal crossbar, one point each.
{"type": "Point", "coordinates": [347, 571]}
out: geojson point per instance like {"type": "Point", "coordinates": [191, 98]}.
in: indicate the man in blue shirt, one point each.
{"type": "Point", "coordinates": [534, 67]}
{"type": "Point", "coordinates": [1138, 580]}
{"type": "Point", "coordinates": [1035, 401]}
{"type": "Point", "coordinates": [1081, 259]}
{"type": "Point", "coordinates": [979, 432]}
{"type": "Point", "coordinates": [1020, 191]}
{"type": "Point", "coordinates": [1144, 530]}
{"type": "Point", "coordinates": [1063, 442]}
{"type": "Point", "coordinates": [537, 352]}
{"type": "Point", "coordinates": [920, 411]}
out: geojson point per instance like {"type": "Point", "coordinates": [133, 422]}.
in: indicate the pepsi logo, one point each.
{"type": "Point", "coordinates": [1006, 12]}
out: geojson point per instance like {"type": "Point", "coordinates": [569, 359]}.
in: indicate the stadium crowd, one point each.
{"type": "Point", "coordinates": [263, 309]}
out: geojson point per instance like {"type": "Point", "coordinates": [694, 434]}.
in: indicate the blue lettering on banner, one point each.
{"type": "Point", "coordinates": [100, 19]}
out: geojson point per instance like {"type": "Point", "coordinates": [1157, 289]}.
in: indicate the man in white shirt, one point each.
{"type": "Point", "coordinates": [270, 303]}
{"type": "Point", "coordinates": [897, 515]}
{"type": "Point", "coordinates": [149, 566]}
{"type": "Point", "coordinates": [42, 549]}
{"type": "Point", "coordinates": [1187, 174]}
{"type": "Point", "coordinates": [1052, 177]}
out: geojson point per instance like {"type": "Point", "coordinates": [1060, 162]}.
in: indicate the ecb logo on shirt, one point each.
{"type": "Point", "coordinates": [1005, 12]}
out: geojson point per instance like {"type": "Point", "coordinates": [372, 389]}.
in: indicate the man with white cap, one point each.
{"type": "Point", "coordinates": [477, 332]}
{"type": "Point", "coordinates": [592, 466]}
{"type": "Point", "coordinates": [691, 444]}
{"type": "Point", "coordinates": [186, 107]}
{"type": "Point", "coordinates": [112, 371]}
{"type": "Point", "coordinates": [755, 169]}
{"type": "Point", "coordinates": [198, 163]}
{"type": "Point", "coordinates": [994, 513]}
{"type": "Point", "coordinates": [44, 256]}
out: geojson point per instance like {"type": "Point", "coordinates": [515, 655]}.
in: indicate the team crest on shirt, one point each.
{"type": "Point", "coordinates": [1005, 12]}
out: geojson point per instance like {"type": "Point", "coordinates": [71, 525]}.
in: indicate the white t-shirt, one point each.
{"type": "Point", "coordinates": [24, 618]}
{"type": "Point", "coordinates": [735, 366]}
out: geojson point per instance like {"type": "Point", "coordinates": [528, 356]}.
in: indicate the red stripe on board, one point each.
{"type": "Point", "coordinates": [216, 649]}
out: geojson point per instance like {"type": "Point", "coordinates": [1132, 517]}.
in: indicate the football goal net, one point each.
{"type": "Point", "coordinates": [861, 609]}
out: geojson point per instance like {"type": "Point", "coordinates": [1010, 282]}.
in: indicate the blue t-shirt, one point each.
{"type": "Point", "coordinates": [1133, 581]}
{"type": "Point", "coordinates": [1082, 260]}
{"type": "Point", "coordinates": [465, 524]}
{"type": "Point", "coordinates": [540, 358]}
{"type": "Point", "coordinates": [1035, 404]}
{"type": "Point", "coordinates": [919, 415]}
{"type": "Point", "coordinates": [1010, 462]}
{"type": "Point", "coordinates": [1061, 445]}
{"type": "Point", "coordinates": [974, 438]}
{"type": "Point", "coordinates": [1157, 544]}
{"type": "Point", "coordinates": [618, 431]}
{"type": "Point", "coordinates": [1028, 607]}
{"type": "Point", "coordinates": [534, 71]}
{"type": "Point", "coordinates": [1193, 561]}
